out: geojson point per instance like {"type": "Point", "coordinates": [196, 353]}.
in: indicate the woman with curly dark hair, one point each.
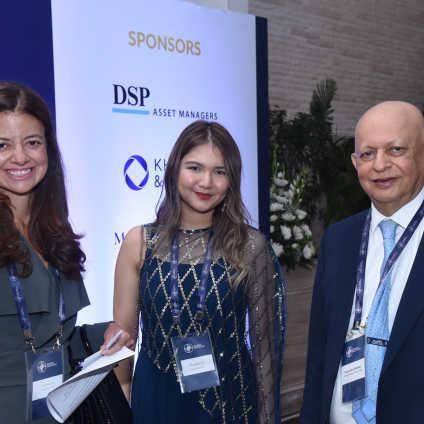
{"type": "Point", "coordinates": [210, 295]}
{"type": "Point", "coordinates": [41, 260]}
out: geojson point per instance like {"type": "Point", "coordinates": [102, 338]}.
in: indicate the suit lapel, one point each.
{"type": "Point", "coordinates": [346, 275]}
{"type": "Point", "coordinates": [410, 307]}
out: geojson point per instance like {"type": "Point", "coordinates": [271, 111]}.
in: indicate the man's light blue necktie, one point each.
{"type": "Point", "coordinates": [364, 410]}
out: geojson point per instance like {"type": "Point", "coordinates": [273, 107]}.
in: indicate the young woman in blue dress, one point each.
{"type": "Point", "coordinates": [201, 270]}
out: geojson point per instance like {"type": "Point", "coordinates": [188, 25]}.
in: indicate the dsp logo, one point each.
{"type": "Point", "coordinates": [130, 96]}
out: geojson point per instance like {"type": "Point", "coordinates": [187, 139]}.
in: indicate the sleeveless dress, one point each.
{"type": "Point", "coordinates": [246, 325]}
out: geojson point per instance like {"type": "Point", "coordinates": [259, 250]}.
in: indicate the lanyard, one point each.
{"type": "Point", "coordinates": [203, 281]}
{"type": "Point", "coordinates": [21, 306]}
{"type": "Point", "coordinates": [394, 256]}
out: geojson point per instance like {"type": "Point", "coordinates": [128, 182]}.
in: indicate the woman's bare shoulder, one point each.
{"type": "Point", "coordinates": [133, 243]}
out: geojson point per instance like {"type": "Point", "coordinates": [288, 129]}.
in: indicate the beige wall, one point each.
{"type": "Point", "coordinates": [374, 49]}
{"type": "Point", "coordinates": [241, 6]}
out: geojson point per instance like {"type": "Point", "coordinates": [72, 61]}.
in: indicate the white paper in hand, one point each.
{"type": "Point", "coordinates": [63, 400]}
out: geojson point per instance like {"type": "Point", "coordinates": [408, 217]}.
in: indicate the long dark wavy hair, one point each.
{"type": "Point", "coordinates": [231, 225]}
{"type": "Point", "coordinates": [50, 232]}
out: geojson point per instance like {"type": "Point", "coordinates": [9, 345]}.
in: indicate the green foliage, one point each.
{"type": "Point", "coordinates": [343, 193]}
{"type": "Point", "coordinates": [308, 140]}
{"type": "Point", "coordinates": [320, 105]}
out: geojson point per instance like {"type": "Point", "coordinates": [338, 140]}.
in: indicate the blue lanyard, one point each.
{"type": "Point", "coordinates": [175, 301]}
{"type": "Point", "coordinates": [394, 256]}
{"type": "Point", "coordinates": [22, 309]}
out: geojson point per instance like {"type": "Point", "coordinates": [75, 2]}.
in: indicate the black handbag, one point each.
{"type": "Point", "coordinates": [106, 404]}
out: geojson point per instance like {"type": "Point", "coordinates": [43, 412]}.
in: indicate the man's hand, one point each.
{"type": "Point", "coordinates": [124, 340]}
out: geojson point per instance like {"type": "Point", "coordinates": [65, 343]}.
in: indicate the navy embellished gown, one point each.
{"type": "Point", "coordinates": [247, 327]}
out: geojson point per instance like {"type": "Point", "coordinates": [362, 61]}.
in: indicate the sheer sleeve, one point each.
{"type": "Point", "coordinates": [266, 325]}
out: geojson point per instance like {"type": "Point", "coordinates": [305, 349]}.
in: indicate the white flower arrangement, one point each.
{"type": "Point", "coordinates": [306, 230]}
{"type": "Point", "coordinates": [297, 232]}
{"type": "Point", "coordinates": [276, 207]}
{"type": "Point", "coordinates": [291, 238]}
{"type": "Point", "coordinates": [301, 214]}
{"type": "Point", "coordinates": [286, 232]}
{"type": "Point", "coordinates": [282, 200]}
{"type": "Point", "coordinates": [288, 217]}
{"type": "Point", "coordinates": [280, 182]}
{"type": "Point", "coordinates": [278, 249]}
{"type": "Point", "coordinates": [308, 251]}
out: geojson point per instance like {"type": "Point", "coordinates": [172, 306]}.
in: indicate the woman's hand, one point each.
{"type": "Point", "coordinates": [124, 340]}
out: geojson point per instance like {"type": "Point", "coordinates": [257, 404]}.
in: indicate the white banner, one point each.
{"type": "Point", "coordinates": [129, 77]}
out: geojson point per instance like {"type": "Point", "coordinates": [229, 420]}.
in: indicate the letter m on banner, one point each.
{"type": "Point", "coordinates": [119, 240]}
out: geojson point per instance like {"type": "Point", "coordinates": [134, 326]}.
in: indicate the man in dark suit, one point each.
{"type": "Point", "coordinates": [389, 158]}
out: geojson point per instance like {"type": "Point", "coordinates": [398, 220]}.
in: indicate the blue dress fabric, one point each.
{"type": "Point", "coordinates": [246, 322]}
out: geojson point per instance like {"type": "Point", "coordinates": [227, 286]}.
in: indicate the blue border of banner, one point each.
{"type": "Point", "coordinates": [26, 47]}
{"type": "Point", "coordinates": [263, 123]}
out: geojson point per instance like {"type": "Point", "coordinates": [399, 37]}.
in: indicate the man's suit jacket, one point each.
{"type": "Point", "coordinates": [400, 396]}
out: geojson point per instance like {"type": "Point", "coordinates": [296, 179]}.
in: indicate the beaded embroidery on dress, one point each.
{"type": "Point", "coordinates": [249, 355]}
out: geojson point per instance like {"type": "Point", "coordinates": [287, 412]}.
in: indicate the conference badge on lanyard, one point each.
{"type": "Point", "coordinates": [44, 366]}
{"type": "Point", "coordinates": [195, 361]}
{"type": "Point", "coordinates": [353, 370]}
{"type": "Point", "coordinates": [193, 353]}
{"type": "Point", "coordinates": [44, 374]}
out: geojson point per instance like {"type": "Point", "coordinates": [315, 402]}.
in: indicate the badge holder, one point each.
{"type": "Point", "coordinates": [196, 365]}
{"type": "Point", "coordinates": [45, 367]}
{"type": "Point", "coordinates": [353, 376]}
{"type": "Point", "coordinates": [195, 361]}
{"type": "Point", "coordinates": [44, 374]}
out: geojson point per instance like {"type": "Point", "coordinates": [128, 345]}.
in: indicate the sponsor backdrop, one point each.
{"type": "Point", "coordinates": [127, 82]}
{"type": "Point", "coordinates": [128, 79]}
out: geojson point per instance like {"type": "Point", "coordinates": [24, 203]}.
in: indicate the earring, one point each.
{"type": "Point", "coordinates": [225, 203]}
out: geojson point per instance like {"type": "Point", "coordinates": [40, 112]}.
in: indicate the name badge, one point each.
{"type": "Point", "coordinates": [44, 374]}
{"type": "Point", "coordinates": [195, 362]}
{"type": "Point", "coordinates": [353, 370]}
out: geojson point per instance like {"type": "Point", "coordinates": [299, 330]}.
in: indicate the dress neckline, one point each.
{"type": "Point", "coordinates": [180, 230]}
{"type": "Point", "coordinates": [34, 252]}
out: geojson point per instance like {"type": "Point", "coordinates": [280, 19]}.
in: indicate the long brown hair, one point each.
{"type": "Point", "coordinates": [50, 232]}
{"type": "Point", "coordinates": [231, 225]}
